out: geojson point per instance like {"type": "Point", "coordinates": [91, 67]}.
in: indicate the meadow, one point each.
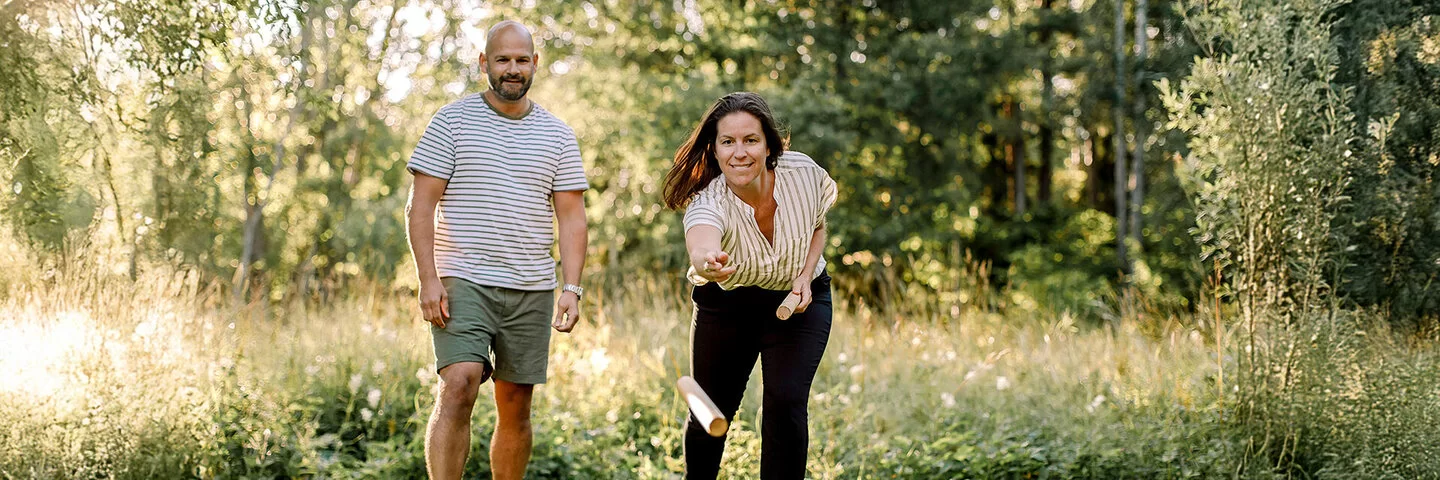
{"type": "Point", "coordinates": [162, 377]}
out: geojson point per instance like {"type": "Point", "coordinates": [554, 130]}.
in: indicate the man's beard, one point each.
{"type": "Point", "coordinates": [509, 91]}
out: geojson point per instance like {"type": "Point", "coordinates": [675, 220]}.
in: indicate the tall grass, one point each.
{"type": "Point", "coordinates": [160, 378]}
{"type": "Point", "coordinates": [1338, 395]}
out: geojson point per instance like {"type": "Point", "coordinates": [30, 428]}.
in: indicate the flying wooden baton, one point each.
{"type": "Point", "coordinates": [704, 409]}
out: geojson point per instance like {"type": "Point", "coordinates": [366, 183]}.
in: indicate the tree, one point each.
{"type": "Point", "coordinates": [1387, 55]}
{"type": "Point", "coordinates": [1142, 129]}
{"type": "Point", "coordinates": [1118, 137]}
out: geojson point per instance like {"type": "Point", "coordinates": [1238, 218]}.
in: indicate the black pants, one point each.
{"type": "Point", "coordinates": [731, 329]}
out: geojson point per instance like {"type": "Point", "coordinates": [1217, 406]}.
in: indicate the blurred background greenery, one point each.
{"type": "Point", "coordinates": [1256, 175]}
{"type": "Point", "coordinates": [264, 142]}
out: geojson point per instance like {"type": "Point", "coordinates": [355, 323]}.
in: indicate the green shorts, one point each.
{"type": "Point", "coordinates": [514, 324]}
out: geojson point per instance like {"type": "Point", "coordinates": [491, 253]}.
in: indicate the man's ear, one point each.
{"type": "Point", "coordinates": [535, 60]}
{"type": "Point", "coordinates": [483, 69]}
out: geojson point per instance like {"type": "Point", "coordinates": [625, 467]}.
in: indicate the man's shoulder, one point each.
{"type": "Point", "coordinates": [547, 120]}
{"type": "Point", "coordinates": [453, 110]}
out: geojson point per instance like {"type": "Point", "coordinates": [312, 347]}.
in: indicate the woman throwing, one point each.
{"type": "Point", "coordinates": [755, 229]}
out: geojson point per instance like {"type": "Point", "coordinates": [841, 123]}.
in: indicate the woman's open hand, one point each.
{"type": "Point", "coordinates": [715, 266]}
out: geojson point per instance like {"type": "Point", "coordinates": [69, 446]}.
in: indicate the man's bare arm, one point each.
{"type": "Point", "coordinates": [420, 226]}
{"type": "Point", "coordinates": [574, 238]}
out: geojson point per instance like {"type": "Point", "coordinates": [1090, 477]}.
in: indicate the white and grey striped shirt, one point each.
{"type": "Point", "coordinates": [495, 223]}
{"type": "Point", "coordinates": [804, 192]}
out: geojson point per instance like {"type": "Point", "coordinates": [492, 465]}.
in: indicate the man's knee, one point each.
{"type": "Point", "coordinates": [460, 384]}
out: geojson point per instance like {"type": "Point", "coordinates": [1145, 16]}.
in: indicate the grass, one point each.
{"type": "Point", "coordinates": [160, 378]}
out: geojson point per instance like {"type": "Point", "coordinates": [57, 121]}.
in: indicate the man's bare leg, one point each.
{"type": "Point", "coordinates": [510, 449]}
{"type": "Point", "coordinates": [447, 437]}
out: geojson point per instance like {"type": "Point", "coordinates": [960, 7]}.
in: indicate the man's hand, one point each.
{"type": "Point", "coordinates": [567, 312]}
{"type": "Point", "coordinates": [434, 302]}
{"type": "Point", "coordinates": [714, 266]}
{"type": "Point", "coordinates": [801, 286]}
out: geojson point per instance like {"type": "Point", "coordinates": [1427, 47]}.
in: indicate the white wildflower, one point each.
{"type": "Point", "coordinates": [599, 361]}
{"type": "Point", "coordinates": [373, 398]}
{"type": "Point", "coordinates": [355, 382]}
{"type": "Point", "coordinates": [1099, 400]}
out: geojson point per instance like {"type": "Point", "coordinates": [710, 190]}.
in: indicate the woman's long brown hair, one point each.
{"type": "Point", "coordinates": [695, 164]}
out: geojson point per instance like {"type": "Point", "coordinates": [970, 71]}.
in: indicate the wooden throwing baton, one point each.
{"type": "Point", "coordinates": [787, 307]}
{"type": "Point", "coordinates": [702, 407]}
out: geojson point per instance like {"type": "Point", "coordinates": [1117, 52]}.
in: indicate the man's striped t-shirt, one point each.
{"type": "Point", "coordinates": [494, 225]}
{"type": "Point", "coordinates": [803, 192]}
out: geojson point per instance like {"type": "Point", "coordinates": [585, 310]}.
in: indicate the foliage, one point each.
{"type": "Point", "coordinates": [1268, 149]}
{"type": "Point", "coordinates": [272, 136]}
{"type": "Point", "coordinates": [1388, 54]}
{"type": "Point", "coordinates": [42, 204]}
{"type": "Point", "coordinates": [178, 388]}
{"type": "Point", "coordinates": [1354, 383]}
{"type": "Point", "coordinates": [1282, 198]}
{"type": "Point", "coordinates": [1067, 274]}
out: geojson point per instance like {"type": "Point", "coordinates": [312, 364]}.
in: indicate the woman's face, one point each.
{"type": "Point", "coordinates": [740, 148]}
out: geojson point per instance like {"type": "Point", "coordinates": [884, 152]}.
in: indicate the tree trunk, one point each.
{"type": "Point", "coordinates": [255, 208]}
{"type": "Point", "coordinates": [1118, 136]}
{"type": "Point", "coordinates": [250, 244]}
{"type": "Point", "coordinates": [1015, 154]}
{"type": "Point", "coordinates": [1137, 165]}
{"type": "Point", "coordinates": [1047, 106]}
{"type": "Point", "coordinates": [1090, 161]}
{"type": "Point", "coordinates": [995, 173]}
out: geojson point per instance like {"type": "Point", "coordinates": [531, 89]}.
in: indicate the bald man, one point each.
{"type": "Point", "coordinates": [491, 171]}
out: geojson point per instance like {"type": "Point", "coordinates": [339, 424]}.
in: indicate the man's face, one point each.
{"type": "Point", "coordinates": [509, 64]}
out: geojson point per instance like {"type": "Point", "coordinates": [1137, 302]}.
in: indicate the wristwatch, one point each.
{"type": "Point", "coordinates": [573, 288]}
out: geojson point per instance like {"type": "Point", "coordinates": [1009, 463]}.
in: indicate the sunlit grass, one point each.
{"type": "Point", "coordinates": [159, 378]}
